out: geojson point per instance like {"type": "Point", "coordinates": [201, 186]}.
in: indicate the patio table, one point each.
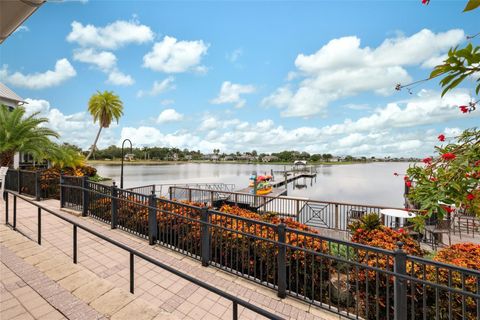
{"type": "Point", "coordinates": [396, 214]}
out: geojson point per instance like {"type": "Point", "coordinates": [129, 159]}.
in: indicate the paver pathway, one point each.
{"type": "Point", "coordinates": [39, 284]}
{"type": "Point", "coordinates": [153, 284]}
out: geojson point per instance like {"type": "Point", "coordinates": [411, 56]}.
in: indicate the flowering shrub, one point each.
{"type": "Point", "coordinates": [466, 255]}
{"type": "Point", "coordinates": [451, 178]}
{"type": "Point", "coordinates": [369, 231]}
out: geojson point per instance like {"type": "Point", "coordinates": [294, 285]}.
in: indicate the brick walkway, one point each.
{"type": "Point", "coordinates": [181, 298]}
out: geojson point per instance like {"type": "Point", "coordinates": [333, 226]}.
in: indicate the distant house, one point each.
{"type": "Point", "coordinates": [188, 157]}
{"type": "Point", "coordinates": [129, 157]}
{"type": "Point", "coordinates": [228, 158]}
{"type": "Point", "coordinates": [12, 101]}
{"type": "Point", "coordinates": [211, 157]}
{"type": "Point", "coordinates": [269, 158]}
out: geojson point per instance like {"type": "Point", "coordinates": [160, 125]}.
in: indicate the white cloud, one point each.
{"type": "Point", "coordinates": [169, 115]}
{"type": "Point", "coordinates": [172, 56]}
{"type": "Point", "coordinates": [230, 93]}
{"type": "Point", "coordinates": [62, 72]}
{"type": "Point", "coordinates": [158, 87]}
{"type": "Point", "coordinates": [21, 29]}
{"type": "Point", "coordinates": [77, 128]}
{"type": "Point", "coordinates": [402, 128]}
{"type": "Point", "coordinates": [209, 123]}
{"type": "Point", "coordinates": [118, 78]}
{"type": "Point", "coordinates": [104, 60]}
{"type": "Point", "coordinates": [234, 55]}
{"type": "Point", "coordinates": [112, 36]}
{"type": "Point", "coordinates": [167, 102]}
{"type": "Point", "coordinates": [424, 109]}
{"type": "Point", "coordinates": [343, 68]}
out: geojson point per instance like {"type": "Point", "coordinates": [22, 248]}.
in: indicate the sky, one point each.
{"type": "Point", "coordinates": [315, 76]}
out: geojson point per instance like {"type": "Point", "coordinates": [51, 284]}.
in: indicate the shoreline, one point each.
{"type": "Point", "coordinates": [164, 162]}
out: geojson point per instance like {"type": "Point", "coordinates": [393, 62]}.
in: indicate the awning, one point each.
{"type": "Point", "coordinates": [13, 13]}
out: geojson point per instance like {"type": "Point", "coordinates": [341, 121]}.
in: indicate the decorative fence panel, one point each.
{"type": "Point", "coordinates": [99, 202]}
{"type": "Point", "coordinates": [71, 198]}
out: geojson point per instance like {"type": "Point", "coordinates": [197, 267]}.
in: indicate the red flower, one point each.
{"type": "Point", "coordinates": [449, 209]}
{"type": "Point", "coordinates": [470, 197]}
{"type": "Point", "coordinates": [477, 163]}
{"type": "Point", "coordinates": [401, 230]}
{"type": "Point", "coordinates": [441, 137]}
{"type": "Point", "coordinates": [408, 183]}
{"type": "Point", "coordinates": [359, 230]}
{"type": "Point", "coordinates": [433, 179]}
{"type": "Point", "coordinates": [425, 2]}
{"type": "Point", "coordinates": [448, 156]}
{"type": "Point", "coordinates": [464, 109]}
{"type": "Point", "coordinates": [405, 178]}
{"type": "Point", "coordinates": [427, 160]}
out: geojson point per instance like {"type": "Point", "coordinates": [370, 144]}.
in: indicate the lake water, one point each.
{"type": "Point", "coordinates": [370, 183]}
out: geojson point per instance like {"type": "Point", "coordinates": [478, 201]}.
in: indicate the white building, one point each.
{"type": "Point", "coordinates": [12, 100]}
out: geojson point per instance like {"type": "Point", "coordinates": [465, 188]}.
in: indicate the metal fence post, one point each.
{"type": "Point", "coordinates": [19, 182]}
{"type": "Point", "coordinates": [400, 286]}
{"type": "Point", "coordinates": [14, 212]}
{"type": "Point", "coordinates": [37, 186]}
{"type": "Point", "coordinates": [170, 196]}
{"type": "Point", "coordinates": [85, 197]}
{"type": "Point", "coordinates": [205, 235]}
{"type": "Point", "coordinates": [114, 192]}
{"type": "Point", "coordinates": [62, 195]}
{"type": "Point", "coordinates": [281, 261]}
{"type": "Point", "coordinates": [6, 206]}
{"type": "Point", "coordinates": [152, 219]}
{"type": "Point", "coordinates": [189, 195]}
{"type": "Point", "coordinates": [337, 217]}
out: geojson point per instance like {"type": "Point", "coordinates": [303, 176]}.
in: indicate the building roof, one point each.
{"type": "Point", "coordinates": [8, 94]}
{"type": "Point", "coordinates": [14, 13]}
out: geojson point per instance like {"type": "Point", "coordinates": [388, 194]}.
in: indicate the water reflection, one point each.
{"type": "Point", "coordinates": [371, 183]}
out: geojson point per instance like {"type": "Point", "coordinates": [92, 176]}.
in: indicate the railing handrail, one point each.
{"type": "Point", "coordinates": [173, 270]}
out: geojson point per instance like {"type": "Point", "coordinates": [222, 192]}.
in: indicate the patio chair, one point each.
{"type": "Point", "coordinates": [467, 221]}
{"type": "Point", "coordinates": [409, 229]}
{"type": "Point", "coordinates": [436, 232]}
{"type": "Point", "coordinates": [355, 215]}
{"type": "Point", "coordinates": [3, 174]}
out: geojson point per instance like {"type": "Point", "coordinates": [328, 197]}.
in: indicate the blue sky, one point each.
{"type": "Point", "coordinates": [314, 76]}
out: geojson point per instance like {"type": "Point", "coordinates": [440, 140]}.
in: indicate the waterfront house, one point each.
{"type": "Point", "coordinates": [269, 159]}
{"type": "Point", "coordinates": [12, 100]}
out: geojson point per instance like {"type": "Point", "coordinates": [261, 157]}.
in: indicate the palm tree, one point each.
{"type": "Point", "coordinates": [104, 107]}
{"type": "Point", "coordinates": [22, 134]}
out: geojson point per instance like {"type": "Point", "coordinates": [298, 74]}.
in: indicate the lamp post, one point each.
{"type": "Point", "coordinates": [121, 170]}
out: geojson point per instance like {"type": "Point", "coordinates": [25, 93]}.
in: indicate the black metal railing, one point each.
{"type": "Point", "coordinates": [318, 213]}
{"type": "Point", "coordinates": [162, 190]}
{"type": "Point", "coordinates": [23, 181]}
{"type": "Point", "coordinates": [132, 254]}
{"type": "Point", "coordinates": [39, 184]}
{"type": "Point", "coordinates": [350, 279]}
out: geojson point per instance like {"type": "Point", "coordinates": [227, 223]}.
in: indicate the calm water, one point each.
{"type": "Point", "coordinates": [371, 183]}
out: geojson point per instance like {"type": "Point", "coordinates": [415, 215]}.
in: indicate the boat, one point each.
{"type": "Point", "coordinates": [259, 179]}
{"type": "Point", "coordinates": [264, 191]}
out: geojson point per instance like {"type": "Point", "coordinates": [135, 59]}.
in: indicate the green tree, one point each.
{"type": "Point", "coordinates": [20, 133]}
{"type": "Point", "coordinates": [452, 177]}
{"type": "Point", "coordinates": [104, 107]}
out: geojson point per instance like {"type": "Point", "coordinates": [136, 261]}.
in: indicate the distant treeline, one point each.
{"type": "Point", "coordinates": [176, 154]}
